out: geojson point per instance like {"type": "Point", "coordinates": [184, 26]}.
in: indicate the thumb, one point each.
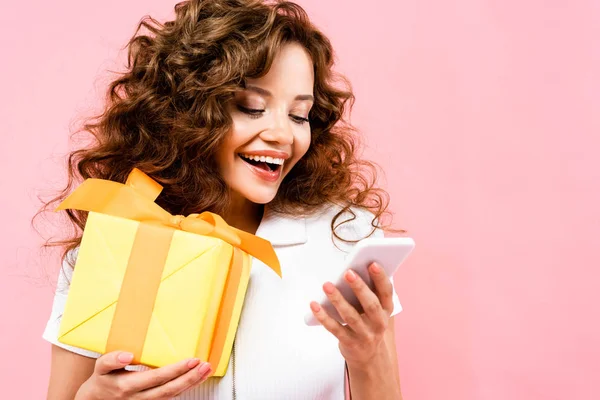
{"type": "Point", "coordinates": [112, 361]}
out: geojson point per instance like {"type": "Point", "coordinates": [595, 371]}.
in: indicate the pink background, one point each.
{"type": "Point", "coordinates": [485, 116]}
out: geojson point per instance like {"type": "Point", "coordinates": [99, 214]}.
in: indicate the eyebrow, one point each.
{"type": "Point", "coordinates": [266, 93]}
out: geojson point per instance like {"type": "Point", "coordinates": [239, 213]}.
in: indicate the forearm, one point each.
{"type": "Point", "coordinates": [68, 373]}
{"type": "Point", "coordinates": [377, 380]}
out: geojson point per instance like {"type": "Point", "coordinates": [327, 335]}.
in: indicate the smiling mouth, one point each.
{"type": "Point", "coordinates": [268, 164]}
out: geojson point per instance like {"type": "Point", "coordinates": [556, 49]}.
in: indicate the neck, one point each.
{"type": "Point", "coordinates": [243, 214]}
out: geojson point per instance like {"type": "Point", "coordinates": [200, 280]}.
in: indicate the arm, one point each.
{"type": "Point", "coordinates": [380, 379]}
{"type": "Point", "coordinates": [68, 371]}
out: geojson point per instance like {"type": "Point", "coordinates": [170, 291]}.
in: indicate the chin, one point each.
{"type": "Point", "coordinates": [260, 196]}
{"type": "Point", "coordinates": [261, 199]}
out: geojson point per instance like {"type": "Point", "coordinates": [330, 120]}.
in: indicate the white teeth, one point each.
{"type": "Point", "coordinates": [270, 160]}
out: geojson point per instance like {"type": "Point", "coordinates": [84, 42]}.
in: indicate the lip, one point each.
{"type": "Point", "coordinates": [268, 176]}
{"type": "Point", "coordinates": [267, 153]}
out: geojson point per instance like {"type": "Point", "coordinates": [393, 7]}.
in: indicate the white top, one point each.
{"type": "Point", "coordinates": [277, 356]}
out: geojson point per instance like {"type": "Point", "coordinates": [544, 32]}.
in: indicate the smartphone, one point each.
{"type": "Point", "coordinates": [389, 253]}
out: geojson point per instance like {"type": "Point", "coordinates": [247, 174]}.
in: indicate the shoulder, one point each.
{"type": "Point", "coordinates": [65, 274]}
{"type": "Point", "coordinates": [353, 224]}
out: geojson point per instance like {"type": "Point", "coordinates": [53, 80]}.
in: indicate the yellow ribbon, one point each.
{"type": "Point", "coordinates": [135, 200]}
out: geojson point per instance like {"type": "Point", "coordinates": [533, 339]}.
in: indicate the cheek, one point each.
{"type": "Point", "coordinates": [302, 143]}
{"type": "Point", "coordinates": [224, 162]}
{"type": "Point", "coordinates": [227, 148]}
{"type": "Point", "coordinates": [301, 146]}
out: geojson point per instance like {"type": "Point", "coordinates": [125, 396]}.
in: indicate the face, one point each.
{"type": "Point", "coordinates": [270, 130]}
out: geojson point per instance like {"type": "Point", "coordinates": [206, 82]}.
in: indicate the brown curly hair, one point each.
{"type": "Point", "coordinates": [166, 115]}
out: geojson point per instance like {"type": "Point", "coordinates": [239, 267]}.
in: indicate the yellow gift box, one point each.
{"type": "Point", "coordinates": [160, 286]}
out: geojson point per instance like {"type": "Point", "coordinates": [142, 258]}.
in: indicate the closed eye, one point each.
{"type": "Point", "coordinates": [252, 112]}
{"type": "Point", "coordinates": [257, 113]}
{"type": "Point", "coordinates": [299, 120]}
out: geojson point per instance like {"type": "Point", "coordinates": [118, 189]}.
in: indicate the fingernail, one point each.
{"type": "Point", "coordinates": [125, 358]}
{"type": "Point", "coordinates": [375, 268]}
{"type": "Point", "coordinates": [203, 369]}
{"type": "Point", "coordinates": [350, 276]}
{"type": "Point", "coordinates": [193, 362]}
{"type": "Point", "coordinates": [315, 306]}
{"type": "Point", "coordinates": [329, 288]}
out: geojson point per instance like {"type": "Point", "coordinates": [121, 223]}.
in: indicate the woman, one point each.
{"type": "Point", "coordinates": [232, 108]}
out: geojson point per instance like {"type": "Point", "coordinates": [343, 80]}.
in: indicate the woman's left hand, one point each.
{"type": "Point", "coordinates": [362, 338]}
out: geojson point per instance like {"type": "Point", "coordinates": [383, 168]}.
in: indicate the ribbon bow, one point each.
{"type": "Point", "coordinates": [135, 200]}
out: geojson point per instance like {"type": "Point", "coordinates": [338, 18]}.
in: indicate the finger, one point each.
{"type": "Point", "coordinates": [180, 384]}
{"type": "Point", "coordinates": [337, 329]}
{"type": "Point", "coordinates": [348, 313]}
{"type": "Point", "coordinates": [112, 361]}
{"type": "Point", "coordinates": [158, 376]}
{"type": "Point", "coordinates": [368, 300]}
{"type": "Point", "coordinates": [383, 287]}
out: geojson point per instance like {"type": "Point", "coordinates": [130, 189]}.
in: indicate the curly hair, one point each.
{"type": "Point", "coordinates": [166, 115]}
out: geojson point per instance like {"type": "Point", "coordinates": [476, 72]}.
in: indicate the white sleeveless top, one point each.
{"type": "Point", "coordinates": [276, 356]}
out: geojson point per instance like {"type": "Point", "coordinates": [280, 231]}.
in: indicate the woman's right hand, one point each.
{"type": "Point", "coordinates": [111, 381]}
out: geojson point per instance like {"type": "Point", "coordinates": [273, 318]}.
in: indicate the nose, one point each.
{"type": "Point", "coordinates": [279, 130]}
